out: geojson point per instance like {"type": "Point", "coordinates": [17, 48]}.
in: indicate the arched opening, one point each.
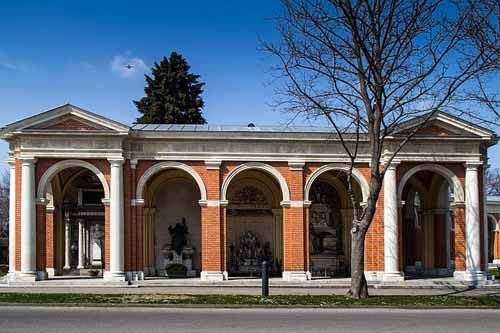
{"type": "Point", "coordinates": [330, 219]}
{"type": "Point", "coordinates": [172, 224]}
{"type": "Point", "coordinates": [427, 225]}
{"type": "Point", "coordinates": [75, 219]}
{"type": "Point", "coordinates": [254, 224]}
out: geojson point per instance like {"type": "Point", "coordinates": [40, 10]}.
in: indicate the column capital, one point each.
{"type": "Point", "coordinates": [28, 160]}
{"type": "Point", "coordinates": [12, 162]}
{"type": "Point", "coordinates": [392, 166]}
{"type": "Point", "coordinates": [296, 165]}
{"type": "Point", "coordinates": [137, 202]}
{"type": "Point", "coordinates": [116, 161]}
{"type": "Point", "coordinates": [473, 165]}
{"type": "Point", "coordinates": [213, 164]}
{"type": "Point", "coordinates": [42, 201]}
{"type": "Point", "coordinates": [133, 163]}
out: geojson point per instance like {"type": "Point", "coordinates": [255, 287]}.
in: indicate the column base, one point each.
{"type": "Point", "coordinates": [52, 272]}
{"type": "Point", "coordinates": [374, 276]}
{"type": "Point", "coordinates": [213, 276]}
{"type": "Point", "coordinates": [295, 276]}
{"type": "Point", "coordinates": [17, 277]}
{"type": "Point", "coordinates": [134, 275]}
{"type": "Point", "coordinates": [470, 276]}
{"type": "Point", "coordinates": [496, 261]}
{"type": "Point", "coordinates": [114, 276]}
{"type": "Point", "coordinates": [390, 277]}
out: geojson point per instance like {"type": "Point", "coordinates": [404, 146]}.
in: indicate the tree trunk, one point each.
{"type": "Point", "coordinates": [359, 286]}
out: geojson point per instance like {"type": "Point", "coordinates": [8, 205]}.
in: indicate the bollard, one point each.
{"type": "Point", "coordinates": [265, 279]}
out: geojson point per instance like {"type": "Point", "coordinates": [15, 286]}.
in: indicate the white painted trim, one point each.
{"type": "Point", "coordinates": [295, 276]}
{"type": "Point", "coordinates": [213, 276]}
{"type": "Point", "coordinates": [213, 164]}
{"type": "Point", "coordinates": [293, 204]}
{"type": "Point", "coordinates": [62, 165]}
{"type": "Point", "coordinates": [209, 203]}
{"type": "Point", "coordinates": [64, 110]}
{"type": "Point", "coordinates": [296, 165]}
{"type": "Point", "coordinates": [141, 185]}
{"type": "Point", "coordinates": [356, 174]}
{"type": "Point", "coordinates": [458, 191]}
{"type": "Point", "coordinates": [256, 166]}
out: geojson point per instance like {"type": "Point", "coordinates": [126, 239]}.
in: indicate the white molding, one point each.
{"type": "Point", "coordinates": [213, 164]}
{"type": "Point", "coordinates": [60, 166]}
{"type": "Point", "coordinates": [133, 164]}
{"type": "Point", "coordinates": [296, 165]}
{"type": "Point", "coordinates": [356, 174]}
{"type": "Point", "coordinates": [213, 276]}
{"type": "Point", "coordinates": [469, 276]}
{"type": "Point", "coordinates": [293, 204]}
{"type": "Point", "coordinates": [137, 202]}
{"type": "Point", "coordinates": [65, 110]}
{"type": "Point", "coordinates": [295, 276]}
{"type": "Point", "coordinates": [256, 166]}
{"type": "Point", "coordinates": [141, 185]}
{"type": "Point", "coordinates": [209, 203]}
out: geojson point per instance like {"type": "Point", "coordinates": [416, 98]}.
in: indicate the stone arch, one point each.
{"type": "Point", "coordinates": [452, 179]}
{"type": "Point", "coordinates": [62, 165]}
{"type": "Point", "coordinates": [496, 222]}
{"type": "Point", "coordinates": [257, 166]}
{"type": "Point", "coordinates": [356, 174]}
{"type": "Point", "coordinates": [169, 165]}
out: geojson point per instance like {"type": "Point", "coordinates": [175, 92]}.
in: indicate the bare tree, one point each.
{"type": "Point", "coordinates": [493, 182]}
{"type": "Point", "coordinates": [368, 66]}
{"type": "Point", "coordinates": [4, 205]}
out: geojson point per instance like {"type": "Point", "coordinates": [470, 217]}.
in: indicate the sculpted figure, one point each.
{"type": "Point", "coordinates": [179, 236]}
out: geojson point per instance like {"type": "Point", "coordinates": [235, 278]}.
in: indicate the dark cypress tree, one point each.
{"type": "Point", "coordinates": [173, 94]}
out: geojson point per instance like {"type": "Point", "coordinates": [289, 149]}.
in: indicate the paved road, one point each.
{"type": "Point", "coordinates": [60, 319]}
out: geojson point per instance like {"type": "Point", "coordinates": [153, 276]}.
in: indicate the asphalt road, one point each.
{"type": "Point", "coordinates": [81, 319]}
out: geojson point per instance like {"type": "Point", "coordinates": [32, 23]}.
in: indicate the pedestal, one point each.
{"type": "Point", "coordinates": [295, 276]}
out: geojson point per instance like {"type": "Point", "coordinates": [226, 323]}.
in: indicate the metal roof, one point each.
{"type": "Point", "coordinates": [230, 128]}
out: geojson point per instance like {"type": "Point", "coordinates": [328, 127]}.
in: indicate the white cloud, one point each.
{"type": "Point", "coordinates": [128, 67]}
{"type": "Point", "coordinates": [14, 65]}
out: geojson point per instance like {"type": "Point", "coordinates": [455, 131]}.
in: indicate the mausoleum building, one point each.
{"type": "Point", "coordinates": [89, 193]}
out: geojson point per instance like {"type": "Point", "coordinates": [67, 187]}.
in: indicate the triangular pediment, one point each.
{"type": "Point", "coordinates": [69, 122]}
{"type": "Point", "coordinates": [443, 125]}
{"type": "Point", "coordinates": [66, 118]}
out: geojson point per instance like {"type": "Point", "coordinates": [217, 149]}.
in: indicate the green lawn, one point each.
{"type": "Point", "coordinates": [321, 301]}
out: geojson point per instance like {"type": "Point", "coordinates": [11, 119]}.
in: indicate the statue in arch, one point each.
{"type": "Point", "coordinates": [179, 236]}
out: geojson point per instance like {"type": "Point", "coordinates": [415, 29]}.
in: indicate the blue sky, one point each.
{"type": "Point", "coordinates": [52, 54]}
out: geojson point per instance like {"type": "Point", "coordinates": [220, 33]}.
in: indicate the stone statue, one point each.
{"type": "Point", "coordinates": [179, 236]}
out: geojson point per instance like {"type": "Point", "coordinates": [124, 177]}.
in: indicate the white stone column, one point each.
{"type": "Point", "coordinates": [391, 224]}
{"type": "Point", "coordinates": [67, 243]}
{"type": "Point", "coordinates": [81, 245]}
{"type": "Point", "coordinates": [116, 236]}
{"type": "Point", "coordinates": [472, 223]}
{"type": "Point", "coordinates": [12, 217]}
{"type": "Point", "coordinates": [28, 219]}
{"type": "Point", "coordinates": [448, 238]}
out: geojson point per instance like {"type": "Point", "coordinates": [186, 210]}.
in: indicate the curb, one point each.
{"type": "Point", "coordinates": [243, 306]}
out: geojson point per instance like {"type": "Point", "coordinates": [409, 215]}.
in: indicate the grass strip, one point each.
{"type": "Point", "coordinates": [241, 300]}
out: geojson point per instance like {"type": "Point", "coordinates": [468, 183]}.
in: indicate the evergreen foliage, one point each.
{"type": "Point", "coordinates": [173, 94]}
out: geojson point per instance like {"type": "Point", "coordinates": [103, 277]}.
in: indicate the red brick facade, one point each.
{"type": "Point", "coordinates": [213, 224]}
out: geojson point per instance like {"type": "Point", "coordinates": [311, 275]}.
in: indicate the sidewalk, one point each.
{"type": "Point", "coordinates": [76, 284]}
